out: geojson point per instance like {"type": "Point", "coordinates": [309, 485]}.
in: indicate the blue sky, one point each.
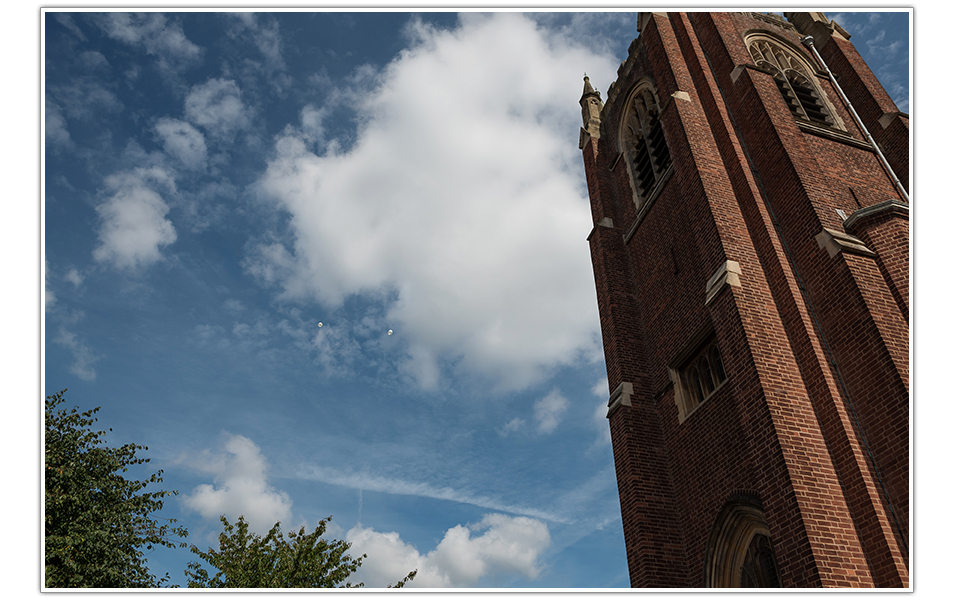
{"type": "Point", "coordinates": [336, 264]}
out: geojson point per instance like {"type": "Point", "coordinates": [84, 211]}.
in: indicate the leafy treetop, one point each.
{"type": "Point", "coordinates": [97, 523]}
{"type": "Point", "coordinates": [247, 560]}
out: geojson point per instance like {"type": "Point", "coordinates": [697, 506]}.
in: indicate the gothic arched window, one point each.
{"type": "Point", "coordinates": [793, 76]}
{"type": "Point", "coordinates": [740, 553]}
{"type": "Point", "coordinates": [643, 143]}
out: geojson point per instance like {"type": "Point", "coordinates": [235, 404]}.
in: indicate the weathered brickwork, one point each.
{"type": "Point", "coordinates": [810, 423]}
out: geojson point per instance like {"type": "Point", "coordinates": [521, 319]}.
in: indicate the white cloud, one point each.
{"type": "Point", "coordinates": [83, 357]}
{"type": "Point", "coordinates": [160, 38]}
{"type": "Point", "coordinates": [216, 105]}
{"type": "Point", "coordinates": [601, 391]}
{"type": "Point", "coordinates": [49, 298]}
{"type": "Point", "coordinates": [74, 277]}
{"type": "Point", "coordinates": [240, 486]}
{"type": "Point", "coordinates": [266, 36]}
{"type": "Point", "coordinates": [548, 411]}
{"type": "Point", "coordinates": [56, 132]}
{"type": "Point", "coordinates": [513, 425]}
{"type": "Point", "coordinates": [66, 21]}
{"type": "Point", "coordinates": [461, 559]}
{"type": "Point", "coordinates": [312, 122]}
{"type": "Point", "coordinates": [461, 195]}
{"type": "Point", "coordinates": [134, 225]}
{"type": "Point", "coordinates": [389, 485]}
{"type": "Point", "coordinates": [85, 98]}
{"type": "Point", "coordinates": [183, 142]}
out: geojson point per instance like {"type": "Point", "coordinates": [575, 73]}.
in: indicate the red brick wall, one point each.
{"type": "Point", "coordinates": [782, 426]}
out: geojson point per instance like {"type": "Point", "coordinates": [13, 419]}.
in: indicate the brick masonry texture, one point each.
{"type": "Point", "coordinates": [812, 419]}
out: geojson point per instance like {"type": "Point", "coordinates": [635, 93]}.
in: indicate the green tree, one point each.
{"type": "Point", "coordinates": [98, 524]}
{"type": "Point", "coordinates": [303, 560]}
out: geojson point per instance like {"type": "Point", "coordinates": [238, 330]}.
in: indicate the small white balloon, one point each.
{"type": "Point", "coordinates": [319, 324]}
{"type": "Point", "coordinates": [390, 332]}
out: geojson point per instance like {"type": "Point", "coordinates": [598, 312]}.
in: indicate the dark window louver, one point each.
{"type": "Point", "coordinates": [646, 152]}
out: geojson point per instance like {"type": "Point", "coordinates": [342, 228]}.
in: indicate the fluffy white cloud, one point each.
{"type": "Point", "coordinates": [461, 195]}
{"type": "Point", "coordinates": [240, 486]}
{"type": "Point", "coordinates": [216, 105]}
{"type": "Point", "coordinates": [134, 225]}
{"type": "Point", "coordinates": [152, 31]}
{"type": "Point", "coordinates": [183, 142]}
{"type": "Point", "coordinates": [507, 544]}
{"type": "Point", "coordinates": [548, 411]}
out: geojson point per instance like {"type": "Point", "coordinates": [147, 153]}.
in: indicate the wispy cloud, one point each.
{"type": "Point", "coordinates": [183, 142]}
{"type": "Point", "coordinates": [548, 411]}
{"type": "Point", "coordinates": [83, 357]}
{"type": "Point", "coordinates": [49, 298]}
{"type": "Point", "coordinates": [511, 426]}
{"type": "Point", "coordinates": [74, 277]}
{"type": "Point", "coordinates": [217, 106]}
{"type": "Point", "coordinates": [388, 485]}
{"type": "Point", "coordinates": [156, 34]}
{"type": "Point", "coordinates": [57, 134]}
{"type": "Point", "coordinates": [266, 36]}
{"type": "Point", "coordinates": [461, 559]}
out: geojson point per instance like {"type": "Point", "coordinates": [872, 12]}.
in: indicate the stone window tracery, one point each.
{"type": "Point", "coordinates": [795, 81]}
{"type": "Point", "coordinates": [643, 142]}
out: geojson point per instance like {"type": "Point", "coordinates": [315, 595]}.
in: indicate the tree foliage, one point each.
{"type": "Point", "coordinates": [97, 523]}
{"type": "Point", "coordinates": [247, 560]}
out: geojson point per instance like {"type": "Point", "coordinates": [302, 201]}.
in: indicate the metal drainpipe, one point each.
{"type": "Point", "coordinates": [810, 42]}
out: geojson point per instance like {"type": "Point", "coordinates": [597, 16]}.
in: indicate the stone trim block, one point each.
{"type": "Point", "coordinates": [727, 274]}
{"type": "Point", "coordinates": [836, 241]}
{"type": "Point", "coordinates": [620, 397]}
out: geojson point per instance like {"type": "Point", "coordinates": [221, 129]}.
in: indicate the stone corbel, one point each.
{"type": "Point", "coordinates": [621, 397]}
{"type": "Point", "coordinates": [727, 274]}
{"type": "Point", "coordinates": [836, 241]}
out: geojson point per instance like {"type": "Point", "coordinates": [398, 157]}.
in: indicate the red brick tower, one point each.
{"type": "Point", "coordinates": [750, 250]}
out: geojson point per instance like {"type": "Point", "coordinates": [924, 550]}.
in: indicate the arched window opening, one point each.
{"type": "Point", "coordinates": [643, 142]}
{"type": "Point", "coordinates": [793, 77]}
{"type": "Point", "coordinates": [740, 552]}
{"type": "Point", "coordinates": [715, 360]}
{"type": "Point", "coordinates": [696, 374]}
{"type": "Point", "coordinates": [758, 569]}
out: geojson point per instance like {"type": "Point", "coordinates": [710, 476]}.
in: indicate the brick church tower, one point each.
{"type": "Point", "coordinates": [750, 251]}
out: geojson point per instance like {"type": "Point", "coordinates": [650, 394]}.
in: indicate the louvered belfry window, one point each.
{"type": "Point", "coordinates": [644, 143]}
{"type": "Point", "coordinates": [794, 81]}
